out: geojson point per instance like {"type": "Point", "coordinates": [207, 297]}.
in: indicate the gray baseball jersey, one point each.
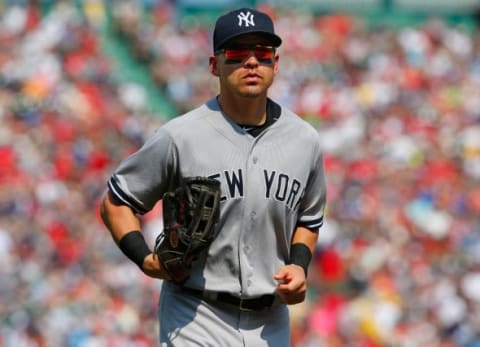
{"type": "Point", "coordinates": [271, 183]}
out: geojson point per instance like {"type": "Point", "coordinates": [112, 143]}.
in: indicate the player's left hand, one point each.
{"type": "Point", "coordinates": [292, 286]}
{"type": "Point", "coordinates": [154, 268]}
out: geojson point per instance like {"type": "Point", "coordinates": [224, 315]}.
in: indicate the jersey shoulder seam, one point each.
{"type": "Point", "coordinates": [177, 126]}
{"type": "Point", "coordinates": [288, 115]}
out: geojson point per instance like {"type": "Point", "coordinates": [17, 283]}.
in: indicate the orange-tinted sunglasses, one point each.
{"type": "Point", "coordinates": [238, 53]}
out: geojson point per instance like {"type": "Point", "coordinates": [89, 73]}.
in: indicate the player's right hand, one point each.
{"type": "Point", "coordinates": [152, 267]}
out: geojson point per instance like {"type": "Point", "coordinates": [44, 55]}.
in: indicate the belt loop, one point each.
{"type": "Point", "coordinates": [242, 307]}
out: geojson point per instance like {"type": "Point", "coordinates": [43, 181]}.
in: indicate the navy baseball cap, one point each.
{"type": "Point", "coordinates": [243, 21]}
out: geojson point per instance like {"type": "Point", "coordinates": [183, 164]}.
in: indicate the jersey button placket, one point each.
{"type": "Point", "coordinates": [248, 248]}
{"type": "Point", "coordinates": [250, 222]}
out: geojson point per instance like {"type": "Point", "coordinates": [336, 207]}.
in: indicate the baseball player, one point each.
{"type": "Point", "coordinates": [270, 167]}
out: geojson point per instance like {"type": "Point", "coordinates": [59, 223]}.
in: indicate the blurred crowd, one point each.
{"type": "Point", "coordinates": [398, 261]}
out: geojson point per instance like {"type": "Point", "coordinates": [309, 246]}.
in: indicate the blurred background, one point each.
{"type": "Point", "coordinates": [393, 87]}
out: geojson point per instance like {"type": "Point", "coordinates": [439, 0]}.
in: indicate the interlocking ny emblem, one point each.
{"type": "Point", "coordinates": [245, 19]}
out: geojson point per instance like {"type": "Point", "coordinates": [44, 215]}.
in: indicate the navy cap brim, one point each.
{"type": "Point", "coordinates": [270, 38]}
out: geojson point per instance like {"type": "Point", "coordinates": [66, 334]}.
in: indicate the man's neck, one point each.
{"type": "Point", "coordinates": [245, 111]}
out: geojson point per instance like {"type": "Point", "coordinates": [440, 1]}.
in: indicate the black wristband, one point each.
{"type": "Point", "coordinates": [301, 255]}
{"type": "Point", "coordinates": [133, 245]}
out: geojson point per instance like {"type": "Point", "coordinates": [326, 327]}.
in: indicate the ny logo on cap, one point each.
{"type": "Point", "coordinates": [246, 19]}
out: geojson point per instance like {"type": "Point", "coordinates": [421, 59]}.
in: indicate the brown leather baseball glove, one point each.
{"type": "Point", "coordinates": [190, 215]}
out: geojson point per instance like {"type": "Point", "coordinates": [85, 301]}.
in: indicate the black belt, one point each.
{"type": "Point", "coordinates": [255, 304]}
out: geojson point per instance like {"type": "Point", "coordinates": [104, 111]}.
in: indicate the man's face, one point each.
{"type": "Point", "coordinates": [247, 66]}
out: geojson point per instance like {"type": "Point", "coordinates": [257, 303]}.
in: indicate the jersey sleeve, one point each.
{"type": "Point", "coordinates": [312, 204]}
{"type": "Point", "coordinates": [143, 177]}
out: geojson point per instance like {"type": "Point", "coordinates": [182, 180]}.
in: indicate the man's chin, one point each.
{"type": "Point", "coordinates": [251, 93]}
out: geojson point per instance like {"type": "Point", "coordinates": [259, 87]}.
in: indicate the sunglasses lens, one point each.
{"type": "Point", "coordinates": [238, 54]}
{"type": "Point", "coordinates": [264, 53]}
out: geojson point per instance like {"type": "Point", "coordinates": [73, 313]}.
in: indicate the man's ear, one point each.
{"type": "Point", "coordinates": [212, 64]}
{"type": "Point", "coordinates": [275, 64]}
